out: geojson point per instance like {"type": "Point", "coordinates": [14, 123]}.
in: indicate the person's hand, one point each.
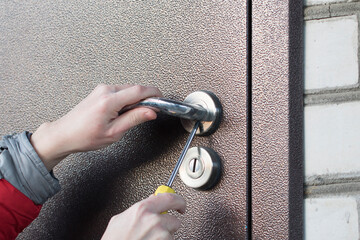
{"type": "Point", "coordinates": [144, 219]}
{"type": "Point", "coordinates": [94, 123]}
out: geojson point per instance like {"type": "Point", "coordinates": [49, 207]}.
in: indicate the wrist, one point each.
{"type": "Point", "coordinates": [50, 145]}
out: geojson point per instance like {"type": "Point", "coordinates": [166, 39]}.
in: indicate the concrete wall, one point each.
{"type": "Point", "coordinates": [332, 119]}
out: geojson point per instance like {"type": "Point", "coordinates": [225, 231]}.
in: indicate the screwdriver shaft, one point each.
{"type": "Point", "coordinates": [183, 153]}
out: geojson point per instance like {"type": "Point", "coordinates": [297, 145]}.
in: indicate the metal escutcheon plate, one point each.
{"type": "Point", "coordinates": [209, 101]}
{"type": "Point", "coordinates": [205, 173]}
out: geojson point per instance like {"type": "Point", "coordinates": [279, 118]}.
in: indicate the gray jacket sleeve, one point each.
{"type": "Point", "coordinates": [21, 166]}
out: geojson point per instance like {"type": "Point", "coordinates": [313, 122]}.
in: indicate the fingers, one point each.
{"type": "Point", "coordinates": [127, 94]}
{"type": "Point", "coordinates": [144, 220]}
{"type": "Point", "coordinates": [161, 203]}
{"type": "Point", "coordinates": [134, 94]}
{"type": "Point", "coordinates": [130, 94]}
{"type": "Point", "coordinates": [132, 118]}
{"type": "Point", "coordinates": [171, 223]}
{"type": "Point", "coordinates": [167, 201]}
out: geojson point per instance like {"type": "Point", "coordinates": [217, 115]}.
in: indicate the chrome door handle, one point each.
{"type": "Point", "coordinates": [173, 108]}
{"type": "Point", "coordinates": [201, 106]}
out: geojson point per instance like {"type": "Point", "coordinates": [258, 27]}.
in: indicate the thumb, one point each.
{"type": "Point", "coordinates": [133, 118]}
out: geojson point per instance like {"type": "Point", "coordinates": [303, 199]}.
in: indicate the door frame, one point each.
{"type": "Point", "coordinates": [276, 119]}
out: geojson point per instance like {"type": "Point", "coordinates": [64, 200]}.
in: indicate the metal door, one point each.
{"type": "Point", "coordinates": [53, 53]}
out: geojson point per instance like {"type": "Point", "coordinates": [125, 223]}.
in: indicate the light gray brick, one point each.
{"type": "Point", "coordinates": [331, 53]}
{"type": "Point", "coordinates": [331, 219]}
{"type": "Point", "coordinates": [332, 143]}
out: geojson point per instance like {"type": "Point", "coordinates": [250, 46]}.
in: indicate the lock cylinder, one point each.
{"type": "Point", "coordinates": [201, 168]}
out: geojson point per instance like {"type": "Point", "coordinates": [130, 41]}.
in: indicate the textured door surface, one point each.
{"type": "Point", "coordinates": [53, 53]}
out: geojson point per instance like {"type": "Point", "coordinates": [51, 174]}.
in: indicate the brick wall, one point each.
{"type": "Point", "coordinates": [332, 119]}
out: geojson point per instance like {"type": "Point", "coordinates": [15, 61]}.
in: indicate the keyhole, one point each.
{"type": "Point", "coordinates": [194, 165]}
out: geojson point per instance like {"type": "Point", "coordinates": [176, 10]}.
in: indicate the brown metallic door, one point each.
{"type": "Point", "coordinates": [249, 53]}
{"type": "Point", "coordinates": [53, 53]}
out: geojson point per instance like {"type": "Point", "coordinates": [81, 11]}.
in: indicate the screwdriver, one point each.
{"type": "Point", "coordinates": [167, 188]}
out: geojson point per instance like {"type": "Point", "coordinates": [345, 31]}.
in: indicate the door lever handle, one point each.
{"type": "Point", "coordinates": [173, 108]}
{"type": "Point", "coordinates": [201, 106]}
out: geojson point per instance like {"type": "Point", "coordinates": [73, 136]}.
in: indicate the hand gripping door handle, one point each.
{"type": "Point", "coordinates": [173, 108]}
{"type": "Point", "coordinates": [201, 106]}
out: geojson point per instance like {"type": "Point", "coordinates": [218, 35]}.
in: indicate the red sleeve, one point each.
{"type": "Point", "coordinates": [16, 211]}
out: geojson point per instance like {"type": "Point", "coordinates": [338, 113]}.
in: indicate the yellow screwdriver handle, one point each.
{"type": "Point", "coordinates": [164, 189]}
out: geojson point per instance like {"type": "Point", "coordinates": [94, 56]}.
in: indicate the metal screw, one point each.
{"type": "Point", "coordinates": [194, 165]}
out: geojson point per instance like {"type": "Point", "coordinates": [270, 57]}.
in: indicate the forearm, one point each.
{"type": "Point", "coordinates": [50, 144]}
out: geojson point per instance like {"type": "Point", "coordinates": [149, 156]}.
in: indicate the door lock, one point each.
{"type": "Point", "coordinates": [201, 168]}
{"type": "Point", "coordinates": [200, 114]}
